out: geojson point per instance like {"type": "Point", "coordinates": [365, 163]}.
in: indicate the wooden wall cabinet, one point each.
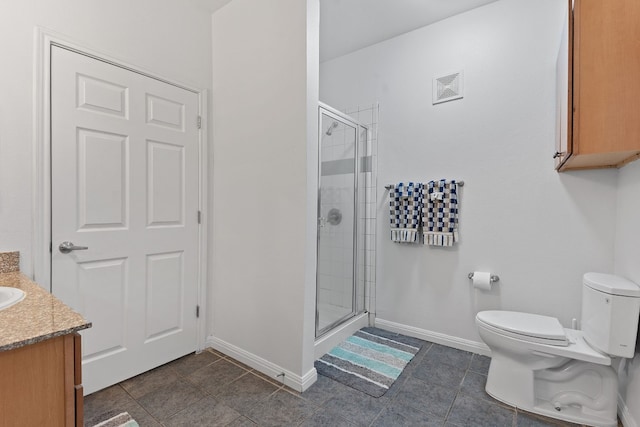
{"type": "Point", "coordinates": [41, 384]}
{"type": "Point", "coordinates": [599, 94]}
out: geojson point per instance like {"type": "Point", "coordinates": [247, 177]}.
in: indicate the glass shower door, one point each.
{"type": "Point", "coordinates": [337, 222]}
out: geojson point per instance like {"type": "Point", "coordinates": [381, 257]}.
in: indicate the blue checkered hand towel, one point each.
{"type": "Point", "coordinates": [440, 213]}
{"type": "Point", "coordinates": [405, 210]}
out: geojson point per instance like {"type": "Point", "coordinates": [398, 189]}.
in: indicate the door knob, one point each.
{"type": "Point", "coordinates": [66, 247]}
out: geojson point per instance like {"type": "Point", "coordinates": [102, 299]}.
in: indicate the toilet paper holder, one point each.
{"type": "Point", "coordinates": [494, 278]}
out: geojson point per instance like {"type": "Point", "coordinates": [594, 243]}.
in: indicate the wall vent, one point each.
{"type": "Point", "coordinates": [448, 88]}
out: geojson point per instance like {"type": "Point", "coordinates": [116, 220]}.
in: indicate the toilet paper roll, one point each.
{"type": "Point", "coordinates": [482, 280]}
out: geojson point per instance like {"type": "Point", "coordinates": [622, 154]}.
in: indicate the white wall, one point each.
{"type": "Point", "coordinates": [627, 264]}
{"type": "Point", "coordinates": [165, 37]}
{"type": "Point", "coordinates": [537, 229]}
{"type": "Point", "coordinates": [265, 98]}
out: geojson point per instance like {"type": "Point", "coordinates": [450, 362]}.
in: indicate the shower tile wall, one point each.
{"type": "Point", "coordinates": [367, 115]}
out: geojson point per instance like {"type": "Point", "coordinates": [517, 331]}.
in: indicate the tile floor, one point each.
{"type": "Point", "coordinates": [441, 386]}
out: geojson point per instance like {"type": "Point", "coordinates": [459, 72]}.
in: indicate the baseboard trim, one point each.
{"type": "Point", "coordinates": [292, 380]}
{"type": "Point", "coordinates": [625, 414]}
{"type": "Point", "coordinates": [436, 337]}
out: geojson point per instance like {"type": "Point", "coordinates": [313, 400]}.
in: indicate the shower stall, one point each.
{"type": "Point", "coordinates": [344, 170]}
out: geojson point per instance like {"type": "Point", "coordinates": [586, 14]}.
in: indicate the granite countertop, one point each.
{"type": "Point", "coordinates": [36, 318]}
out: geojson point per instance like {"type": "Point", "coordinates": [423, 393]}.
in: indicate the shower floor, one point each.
{"type": "Point", "coordinates": [329, 313]}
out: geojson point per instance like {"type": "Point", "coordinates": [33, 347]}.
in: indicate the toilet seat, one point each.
{"type": "Point", "coordinates": [577, 348]}
{"type": "Point", "coordinates": [525, 326]}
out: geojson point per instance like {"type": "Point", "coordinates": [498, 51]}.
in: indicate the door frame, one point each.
{"type": "Point", "coordinates": [41, 176]}
{"type": "Point", "coordinates": [324, 109]}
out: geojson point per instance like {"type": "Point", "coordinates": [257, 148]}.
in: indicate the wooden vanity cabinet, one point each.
{"type": "Point", "coordinates": [41, 384]}
{"type": "Point", "coordinates": [603, 90]}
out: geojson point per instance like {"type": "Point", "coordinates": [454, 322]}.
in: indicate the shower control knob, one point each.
{"type": "Point", "coordinates": [334, 217]}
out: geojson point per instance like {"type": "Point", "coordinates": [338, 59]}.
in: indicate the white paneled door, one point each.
{"type": "Point", "coordinates": [124, 173]}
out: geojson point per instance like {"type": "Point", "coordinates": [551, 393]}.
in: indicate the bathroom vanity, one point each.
{"type": "Point", "coordinates": [40, 359]}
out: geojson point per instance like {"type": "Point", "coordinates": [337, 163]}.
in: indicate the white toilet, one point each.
{"type": "Point", "coordinates": [541, 367]}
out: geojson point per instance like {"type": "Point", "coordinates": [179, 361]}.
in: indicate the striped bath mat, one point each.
{"type": "Point", "coordinates": [121, 420]}
{"type": "Point", "coordinates": [370, 360]}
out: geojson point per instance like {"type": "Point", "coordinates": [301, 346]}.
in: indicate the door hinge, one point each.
{"type": "Point", "coordinates": [197, 311]}
{"type": "Point", "coordinates": [199, 217]}
{"type": "Point", "coordinates": [50, 247]}
{"type": "Point", "coordinates": [199, 122]}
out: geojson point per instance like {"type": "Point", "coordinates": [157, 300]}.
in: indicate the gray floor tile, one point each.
{"type": "Point", "coordinates": [524, 419]}
{"type": "Point", "coordinates": [418, 357]}
{"type": "Point", "coordinates": [450, 356]}
{"type": "Point", "coordinates": [402, 415]}
{"type": "Point", "coordinates": [281, 409]}
{"type": "Point", "coordinates": [356, 407]}
{"type": "Point", "coordinates": [246, 392]}
{"type": "Point", "coordinates": [206, 412]}
{"type": "Point", "coordinates": [169, 400]}
{"type": "Point", "coordinates": [245, 398]}
{"type": "Point", "coordinates": [189, 364]}
{"type": "Point", "coordinates": [474, 384]}
{"type": "Point", "coordinates": [112, 401]}
{"type": "Point", "coordinates": [480, 364]}
{"type": "Point", "coordinates": [216, 352]}
{"type": "Point", "coordinates": [106, 400]}
{"type": "Point", "coordinates": [322, 418]}
{"type": "Point", "coordinates": [468, 411]}
{"type": "Point", "coordinates": [324, 389]}
{"type": "Point", "coordinates": [396, 386]}
{"type": "Point", "coordinates": [275, 381]}
{"type": "Point", "coordinates": [214, 377]}
{"type": "Point", "coordinates": [144, 419]}
{"type": "Point", "coordinates": [139, 415]}
{"type": "Point", "coordinates": [150, 381]}
{"type": "Point", "coordinates": [430, 398]}
{"type": "Point", "coordinates": [435, 372]}
{"type": "Point", "coordinates": [240, 364]}
{"type": "Point", "coordinates": [242, 422]}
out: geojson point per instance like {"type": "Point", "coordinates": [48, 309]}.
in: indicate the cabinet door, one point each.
{"type": "Point", "coordinates": [606, 88]}
{"type": "Point", "coordinates": [34, 385]}
{"type": "Point", "coordinates": [564, 86]}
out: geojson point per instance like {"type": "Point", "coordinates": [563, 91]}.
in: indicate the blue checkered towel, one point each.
{"type": "Point", "coordinates": [405, 208]}
{"type": "Point", "coordinates": [440, 213]}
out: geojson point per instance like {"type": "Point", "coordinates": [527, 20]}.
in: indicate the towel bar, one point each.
{"type": "Point", "coordinates": [390, 186]}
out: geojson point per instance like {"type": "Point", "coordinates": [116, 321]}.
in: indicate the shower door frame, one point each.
{"type": "Point", "coordinates": [324, 109]}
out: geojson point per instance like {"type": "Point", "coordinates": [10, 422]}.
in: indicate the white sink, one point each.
{"type": "Point", "coordinates": [10, 296]}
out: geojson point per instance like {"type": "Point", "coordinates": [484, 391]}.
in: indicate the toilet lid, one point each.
{"type": "Point", "coordinates": [610, 284]}
{"type": "Point", "coordinates": [542, 329]}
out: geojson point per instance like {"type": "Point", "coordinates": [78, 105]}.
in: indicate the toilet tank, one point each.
{"type": "Point", "coordinates": [610, 311]}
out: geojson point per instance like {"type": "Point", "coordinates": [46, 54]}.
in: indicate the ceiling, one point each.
{"type": "Point", "coordinates": [349, 25]}
{"type": "Point", "coordinates": [211, 5]}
